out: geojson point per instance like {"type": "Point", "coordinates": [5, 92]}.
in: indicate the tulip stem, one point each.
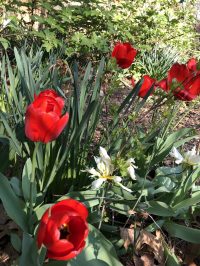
{"type": "Point", "coordinates": [32, 185]}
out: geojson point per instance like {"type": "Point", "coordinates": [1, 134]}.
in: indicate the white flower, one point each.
{"type": "Point", "coordinates": [190, 157]}
{"type": "Point", "coordinates": [5, 23]}
{"type": "Point", "coordinates": [131, 168]}
{"type": "Point", "coordinates": [104, 171]}
{"type": "Point", "coordinates": [175, 153]}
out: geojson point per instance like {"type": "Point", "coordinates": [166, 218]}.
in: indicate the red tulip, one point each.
{"type": "Point", "coordinates": [43, 119]}
{"type": "Point", "coordinates": [192, 64]}
{"type": "Point", "coordinates": [146, 85]}
{"type": "Point", "coordinates": [63, 229]}
{"type": "Point", "coordinates": [183, 81]}
{"type": "Point", "coordinates": [124, 54]}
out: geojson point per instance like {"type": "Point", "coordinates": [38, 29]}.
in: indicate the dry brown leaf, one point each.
{"type": "Point", "coordinates": [147, 260]}
{"type": "Point", "coordinates": [150, 244]}
{"type": "Point", "coordinates": [137, 261]}
{"type": "Point", "coordinates": [127, 235]}
{"type": "Point", "coordinates": [144, 260]}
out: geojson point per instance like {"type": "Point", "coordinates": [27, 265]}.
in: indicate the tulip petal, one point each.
{"type": "Point", "coordinates": [192, 64]}
{"type": "Point", "coordinates": [37, 123]}
{"type": "Point", "coordinates": [78, 231]}
{"type": "Point", "coordinates": [53, 94]}
{"type": "Point", "coordinates": [61, 247]}
{"type": "Point", "coordinates": [124, 54]}
{"type": "Point", "coordinates": [70, 205]}
{"type": "Point", "coordinates": [56, 129]}
{"type": "Point", "coordinates": [52, 233]}
{"type": "Point", "coordinates": [180, 72]}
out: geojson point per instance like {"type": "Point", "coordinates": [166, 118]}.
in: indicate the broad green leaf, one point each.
{"type": "Point", "coordinates": [39, 211]}
{"type": "Point", "coordinates": [123, 193]}
{"type": "Point", "coordinates": [183, 232]}
{"type": "Point", "coordinates": [16, 242]}
{"type": "Point", "coordinates": [98, 251]}
{"type": "Point", "coordinates": [155, 225]}
{"type": "Point", "coordinates": [16, 186]}
{"type": "Point", "coordinates": [120, 208]}
{"type": "Point", "coordinates": [11, 134]}
{"type": "Point", "coordinates": [29, 254]}
{"type": "Point", "coordinates": [12, 204]}
{"type": "Point", "coordinates": [26, 182]}
{"type": "Point", "coordinates": [195, 198]}
{"type": "Point", "coordinates": [169, 171]}
{"type": "Point", "coordinates": [160, 209]}
{"type": "Point", "coordinates": [164, 182]}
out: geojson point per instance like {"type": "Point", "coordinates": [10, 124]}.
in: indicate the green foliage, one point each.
{"type": "Point", "coordinates": [89, 27]}
{"type": "Point", "coordinates": [156, 62]}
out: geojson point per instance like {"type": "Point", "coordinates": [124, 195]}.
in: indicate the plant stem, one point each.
{"type": "Point", "coordinates": [102, 204]}
{"type": "Point", "coordinates": [32, 184]}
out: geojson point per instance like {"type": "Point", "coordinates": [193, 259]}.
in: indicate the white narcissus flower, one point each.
{"type": "Point", "coordinates": [131, 168]}
{"type": "Point", "coordinates": [190, 157]}
{"type": "Point", "coordinates": [104, 171]}
{"type": "Point", "coordinates": [176, 154]}
{"type": "Point", "coordinates": [5, 23]}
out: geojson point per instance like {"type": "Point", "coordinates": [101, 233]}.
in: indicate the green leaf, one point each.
{"type": "Point", "coordinates": [11, 134]}
{"type": "Point", "coordinates": [98, 251]}
{"type": "Point", "coordinates": [12, 204]}
{"type": "Point", "coordinates": [26, 181]}
{"type": "Point", "coordinates": [171, 259]}
{"type": "Point", "coordinates": [29, 254]}
{"type": "Point", "coordinates": [195, 198]}
{"type": "Point", "coordinates": [123, 193]}
{"type": "Point", "coordinates": [169, 171]}
{"type": "Point", "coordinates": [16, 242]}
{"type": "Point", "coordinates": [164, 182]}
{"type": "Point", "coordinates": [41, 210]}
{"type": "Point", "coordinates": [88, 197]}
{"type": "Point", "coordinates": [5, 43]}
{"type": "Point", "coordinates": [183, 232]}
{"type": "Point", "coordinates": [16, 186]}
{"type": "Point", "coordinates": [160, 208]}
{"type": "Point", "coordinates": [120, 208]}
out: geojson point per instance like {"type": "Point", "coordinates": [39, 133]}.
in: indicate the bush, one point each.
{"type": "Point", "coordinates": [87, 27]}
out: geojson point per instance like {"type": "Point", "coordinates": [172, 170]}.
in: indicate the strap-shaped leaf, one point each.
{"type": "Point", "coordinates": [12, 204]}
{"type": "Point", "coordinates": [183, 232]}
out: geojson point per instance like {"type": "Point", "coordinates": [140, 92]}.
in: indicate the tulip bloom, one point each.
{"type": "Point", "coordinates": [146, 85]}
{"type": "Point", "coordinates": [124, 54]}
{"type": "Point", "coordinates": [43, 119]}
{"type": "Point", "coordinates": [183, 81]}
{"type": "Point", "coordinates": [192, 64]}
{"type": "Point", "coordinates": [63, 229]}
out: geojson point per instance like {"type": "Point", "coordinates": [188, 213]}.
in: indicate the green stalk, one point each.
{"type": "Point", "coordinates": [32, 183]}
{"type": "Point", "coordinates": [102, 203]}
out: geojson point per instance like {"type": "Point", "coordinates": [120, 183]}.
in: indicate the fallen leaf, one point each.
{"type": "Point", "coordinates": [128, 236]}
{"type": "Point", "coordinates": [151, 245]}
